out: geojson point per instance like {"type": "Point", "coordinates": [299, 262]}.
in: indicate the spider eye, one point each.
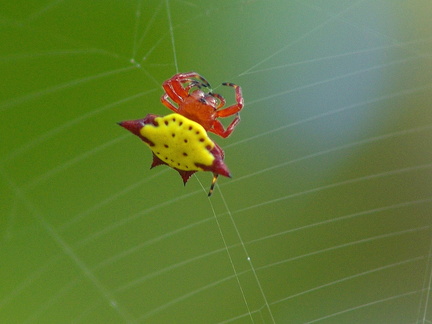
{"type": "Point", "coordinates": [210, 100]}
{"type": "Point", "coordinates": [198, 94]}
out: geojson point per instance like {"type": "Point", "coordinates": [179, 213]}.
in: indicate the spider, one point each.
{"type": "Point", "coordinates": [184, 96]}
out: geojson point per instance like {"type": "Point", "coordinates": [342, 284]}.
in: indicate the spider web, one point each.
{"type": "Point", "coordinates": [326, 219]}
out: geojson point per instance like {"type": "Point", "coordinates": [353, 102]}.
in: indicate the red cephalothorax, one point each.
{"type": "Point", "coordinates": [185, 95]}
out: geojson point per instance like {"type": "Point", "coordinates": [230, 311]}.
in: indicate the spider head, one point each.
{"type": "Point", "coordinates": [206, 98]}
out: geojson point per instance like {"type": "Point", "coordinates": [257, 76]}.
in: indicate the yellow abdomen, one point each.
{"type": "Point", "coordinates": [179, 142]}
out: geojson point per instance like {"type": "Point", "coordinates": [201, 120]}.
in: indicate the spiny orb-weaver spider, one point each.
{"type": "Point", "coordinates": [180, 140]}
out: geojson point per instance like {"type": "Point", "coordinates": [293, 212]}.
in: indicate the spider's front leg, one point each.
{"type": "Point", "coordinates": [231, 110]}
{"type": "Point", "coordinates": [188, 77]}
{"type": "Point", "coordinates": [217, 127]}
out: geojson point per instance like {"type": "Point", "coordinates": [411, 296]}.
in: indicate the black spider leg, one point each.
{"type": "Point", "coordinates": [203, 82]}
{"type": "Point", "coordinates": [215, 176]}
{"type": "Point", "coordinates": [196, 84]}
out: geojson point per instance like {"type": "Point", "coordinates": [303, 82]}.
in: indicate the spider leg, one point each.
{"type": "Point", "coordinates": [182, 91]}
{"type": "Point", "coordinates": [189, 76]}
{"type": "Point", "coordinates": [218, 128]}
{"type": "Point", "coordinates": [215, 176]}
{"type": "Point", "coordinates": [221, 99]}
{"type": "Point", "coordinates": [174, 90]}
{"type": "Point", "coordinates": [167, 103]}
{"type": "Point", "coordinates": [231, 110]}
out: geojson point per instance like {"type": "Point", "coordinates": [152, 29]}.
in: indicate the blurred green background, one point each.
{"type": "Point", "coordinates": [331, 192]}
